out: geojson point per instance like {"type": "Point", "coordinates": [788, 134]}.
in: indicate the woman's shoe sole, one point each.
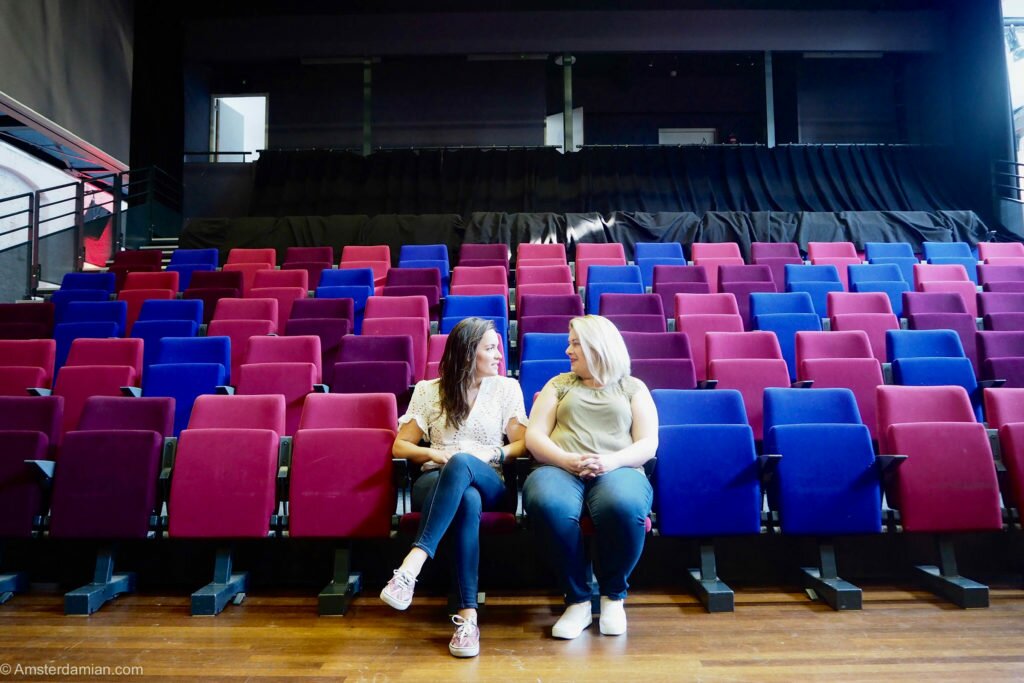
{"type": "Point", "coordinates": [394, 603]}
{"type": "Point", "coordinates": [464, 651]}
{"type": "Point", "coordinates": [577, 635]}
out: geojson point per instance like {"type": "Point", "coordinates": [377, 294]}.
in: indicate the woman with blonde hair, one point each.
{"type": "Point", "coordinates": [592, 429]}
{"type": "Point", "coordinates": [466, 415]}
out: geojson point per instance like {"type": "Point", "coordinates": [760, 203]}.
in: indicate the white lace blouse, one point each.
{"type": "Point", "coordinates": [499, 400]}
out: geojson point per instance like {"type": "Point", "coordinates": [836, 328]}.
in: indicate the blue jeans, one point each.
{"type": "Point", "coordinates": [619, 503]}
{"type": "Point", "coordinates": [458, 493]}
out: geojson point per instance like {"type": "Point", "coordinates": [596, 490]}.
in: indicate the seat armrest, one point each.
{"type": "Point", "coordinates": [767, 463]}
{"type": "Point", "coordinates": [39, 391]}
{"type": "Point", "coordinates": [887, 464]}
{"type": "Point", "coordinates": [707, 384]}
{"type": "Point", "coordinates": [225, 390]}
{"type": "Point", "coordinates": [321, 389]}
{"type": "Point", "coordinates": [990, 384]}
{"type": "Point", "coordinates": [45, 468]}
{"type": "Point", "coordinates": [649, 467]}
{"type": "Point", "coordinates": [802, 384]}
{"type": "Point", "coordinates": [131, 392]}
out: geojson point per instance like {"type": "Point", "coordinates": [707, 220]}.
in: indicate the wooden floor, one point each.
{"type": "Point", "coordinates": [772, 636]}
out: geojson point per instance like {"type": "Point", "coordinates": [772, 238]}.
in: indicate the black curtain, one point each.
{"type": "Point", "coordinates": [626, 228]}
{"type": "Point", "coordinates": [796, 178]}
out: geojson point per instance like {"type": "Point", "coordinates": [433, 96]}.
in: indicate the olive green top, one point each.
{"type": "Point", "coordinates": [591, 421]}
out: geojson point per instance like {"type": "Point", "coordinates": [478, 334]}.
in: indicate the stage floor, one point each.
{"type": "Point", "coordinates": [772, 636]}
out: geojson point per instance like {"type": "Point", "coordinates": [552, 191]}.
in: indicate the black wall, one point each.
{"type": "Point", "coordinates": [71, 61]}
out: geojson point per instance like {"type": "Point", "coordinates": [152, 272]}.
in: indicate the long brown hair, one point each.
{"type": "Point", "coordinates": [457, 368]}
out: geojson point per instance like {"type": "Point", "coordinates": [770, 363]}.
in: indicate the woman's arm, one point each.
{"type": "Point", "coordinates": [407, 446]}
{"type": "Point", "coordinates": [538, 434]}
{"type": "Point", "coordinates": [645, 438]}
{"type": "Point", "coordinates": [516, 433]}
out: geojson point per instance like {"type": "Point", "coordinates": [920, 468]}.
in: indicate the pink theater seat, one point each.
{"type": "Point", "coordinates": [286, 298]}
{"type": "Point", "coordinates": [550, 254]}
{"type": "Point", "coordinates": [416, 329]}
{"type": "Point", "coordinates": [397, 307]}
{"type": "Point", "coordinates": [841, 303]}
{"type": "Point", "coordinates": [715, 254]}
{"type": "Point", "coordinates": [136, 297]}
{"type": "Point", "coordinates": [1004, 406]}
{"type": "Point", "coordinates": [76, 384]}
{"type": "Point", "coordinates": [238, 255]}
{"type": "Point", "coordinates": [435, 349]}
{"type": "Point", "coordinates": [948, 482]}
{"type": "Point", "coordinates": [290, 349]}
{"type": "Point", "coordinates": [966, 290]}
{"type": "Point", "coordinates": [248, 309]}
{"type": "Point", "coordinates": [248, 271]}
{"type": "Point", "coordinates": [35, 354]}
{"type": "Point", "coordinates": [167, 279]}
{"type": "Point", "coordinates": [127, 352]}
{"type": "Point", "coordinates": [610, 254]}
{"type": "Point", "coordinates": [987, 250]}
{"type": "Point", "coordinates": [239, 332]}
{"type": "Point", "coordinates": [873, 324]}
{"type": "Point", "coordinates": [281, 278]}
{"type": "Point", "coordinates": [293, 381]}
{"type": "Point", "coordinates": [749, 362]}
{"type": "Point", "coordinates": [898, 404]}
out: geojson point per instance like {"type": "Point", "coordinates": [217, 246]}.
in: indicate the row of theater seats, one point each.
{"type": "Point", "coordinates": [234, 473]}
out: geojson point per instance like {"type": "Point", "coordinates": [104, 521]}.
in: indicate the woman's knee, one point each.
{"type": "Point", "coordinates": [461, 461]}
{"type": "Point", "coordinates": [471, 503]}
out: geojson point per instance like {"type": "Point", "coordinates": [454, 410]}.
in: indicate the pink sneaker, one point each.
{"type": "Point", "coordinates": [466, 640]}
{"type": "Point", "coordinates": [398, 591]}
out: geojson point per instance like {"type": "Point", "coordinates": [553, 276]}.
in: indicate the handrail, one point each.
{"type": "Point", "coordinates": [134, 190]}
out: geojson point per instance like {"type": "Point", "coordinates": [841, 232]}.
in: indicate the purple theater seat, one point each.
{"type": "Point", "coordinates": [1001, 355]}
{"type": "Point", "coordinates": [1000, 302]}
{"type": "Point", "coordinates": [417, 329]}
{"type": "Point", "coordinates": [267, 279]}
{"type": "Point", "coordinates": [932, 302]}
{"type": "Point", "coordinates": [29, 430]}
{"type": "Point", "coordinates": [77, 383]}
{"type": "Point", "coordinates": [330, 332]}
{"type": "Point", "coordinates": [153, 413]}
{"type": "Point", "coordinates": [26, 321]}
{"type": "Point", "coordinates": [343, 309]}
{"type": "Point", "coordinates": [381, 364]}
{"type": "Point", "coordinates": [657, 345]}
{"type": "Point", "coordinates": [210, 296]}
{"type": "Point", "coordinates": [631, 304]}
{"type": "Point", "coordinates": [638, 323]}
{"type": "Point", "coordinates": [962, 323]}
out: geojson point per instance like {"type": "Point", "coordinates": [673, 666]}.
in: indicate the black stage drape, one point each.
{"type": "Point", "coordinates": [624, 227]}
{"type": "Point", "coordinates": [797, 178]}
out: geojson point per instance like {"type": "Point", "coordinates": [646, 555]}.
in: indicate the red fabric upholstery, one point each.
{"type": "Point", "coordinates": [293, 381]}
{"type": "Point", "coordinates": [380, 269]}
{"type": "Point", "coordinates": [948, 482]}
{"type": "Point", "coordinates": [862, 376]}
{"type": "Point", "coordinates": [216, 279]}
{"type": "Point", "coordinates": [373, 252]}
{"type": "Point", "coordinates": [396, 307]}
{"type": "Point", "coordinates": [166, 279]}
{"type": "Point", "coordinates": [337, 411]}
{"type": "Point", "coordinates": [330, 332]}
{"type": "Point", "coordinates": [15, 380]}
{"type": "Point", "coordinates": [417, 329]}
{"type": "Point", "coordinates": [308, 254]}
{"type": "Point", "coordinates": [224, 481]}
{"type": "Point", "coordinates": [324, 308]}
{"type": "Point", "coordinates": [285, 296]}
{"type": "Point", "coordinates": [536, 252]}
{"type": "Point", "coordinates": [21, 498]}
{"type": "Point", "coordinates": [281, 278]}
{"type": "Point", "coordinates": [136, 297]}
{"type": "Point", "coordinates": [899, 405]}
{"type": "Point", "coordinates": [841, 303]}
{"type": "Point", "coordinates": [872, 324]}
{"type": "Point", "coordinates": [1004, 406]}
{"type": "Point", "coordinates": [239, 332]}
{"type": "Point", "coordinates": [248, 271]}
{"type": "Point", "coordinates": [696, 328]}
{"type": "Point", "coordinates": [841, 267]}
{"type": "Point", "coordinates": [340, 483]}
{"type": "Point", "coordinates": [37, 353]}
{"type": "Point", "coordinates": [112, 351]}
{"type": "Point", "coordinates": [291, 349]}
{"type": "Point", "coordinates": [582, 264]}
{"type": "Point", "coordinates": [77, 383]}
{"type": "Point", "coordinates": [212, 411]}
{"type": "Point", "coordinates": [255, 308]}
{"type": "Point", "coordinates": [152, 414]}
{"type": "Point", "coordinates": [267, 256]}
{"type": "Point", "coordinates": [105, 486]}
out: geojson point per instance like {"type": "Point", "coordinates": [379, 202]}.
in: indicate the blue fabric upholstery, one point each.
{"type": "Point", "coordinates": [785, 326]}
{"type": "Point", "coordinates": [184, 382]}
{"type": "Point", "coordinates": [699, 406]}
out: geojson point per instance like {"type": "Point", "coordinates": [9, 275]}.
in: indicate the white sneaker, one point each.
{"type": "Point", "coordinates": [572, 622]}
{"type": "Point", "coordinates": [613, 617]}
{"type": "Point", "coordinates": [398, 591]}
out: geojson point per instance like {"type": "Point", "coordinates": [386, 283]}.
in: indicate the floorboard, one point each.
{"type": "Point", "coordinates": [772, 636]}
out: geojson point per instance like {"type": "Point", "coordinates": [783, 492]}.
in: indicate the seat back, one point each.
{"type": "Point", "coordinates": [613, 303]}
{"type": "Point", "coordinates": [906, 404]}
{"type": "Point", "coordinates": [293, 381]}
{"type": "Point", "coordinates": [842, 303]}
{"type": "Point", "coordinates": [784, 406]}
{"type": "Point", "coordinates": [534, 374]}
{"type": "Point", "coordinates": [544, 346]}
{"type": "Point", "coordinates": [742, 345]}
{"type": "Point", "coordinates": [883, 249]}
{"type": "Point", "coordinates": [1004, 406]}
{"type": "Point", "coordinates": [175, 309]}
{"type": "Point", "coordinates": [37, 353]}
{"type": "Point", "coordinates": [532, 252]}
{"type": "Point", "coordinates": [760, 250]}
{"type": "Point", "coordinates": [543, 304]}
{"type": "Point", "coordinates": [290, 349]}
{"type": "Point", "coordinates": [987, 250]}
{"type": "Point", "coordinates": [214, 411]}
{"type": "Point", "coordinates": [831, 250]}
{"type": "Point", "coordinates": [922, 344]}
{"type": "Point", "coordinates": [126, 352]}
{"type": "Point", "coordinates": [715, 250]}
{"type": "Point", "coordinates": [719, 304]}
{"type": "Point", "coordinates": [744, 273]}
{"type": "Point", "coordinates": [281, 278]}
{"type": "Point", "coordinates": [762, 303]}
{"type": "Point", "coordinates": [397, 307]}
{"type": "Point", "coordinates": [183, 382]}
{"type": "Point", "coordinates": [948, 482]}
{"type": "Point", "coordinates": [656, 345]}
{"type": "Point", "coordinates": [786, 326]}
{"type": "Point", "coordinates": [693, 407]}
{"type": "Point", "coordinates": [76, 384]}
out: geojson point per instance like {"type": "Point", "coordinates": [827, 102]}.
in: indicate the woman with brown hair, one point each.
{"type": "Point", "coordinates": [465, 415]}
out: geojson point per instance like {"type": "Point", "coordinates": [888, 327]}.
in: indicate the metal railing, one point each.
{"type": "Point", "coordinates": [1006, 184]}
{"type": "Point", "coordinates": [51, 223]}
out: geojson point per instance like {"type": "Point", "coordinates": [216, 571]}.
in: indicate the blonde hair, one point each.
{"type": "Point", "coordinates": [603, 348]}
